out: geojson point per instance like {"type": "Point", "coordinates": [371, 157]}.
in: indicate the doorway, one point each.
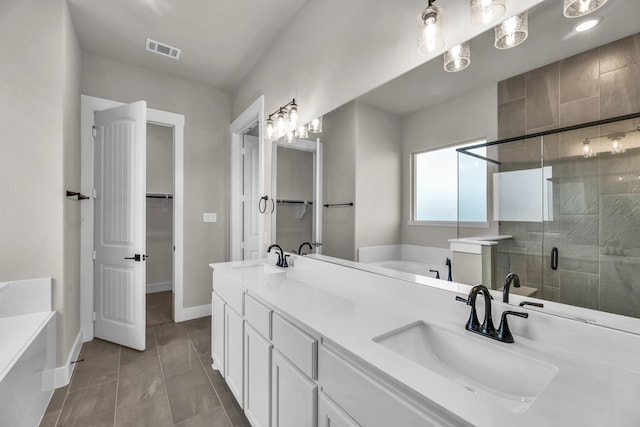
{"type": "Point", "coordinates": [159, 228]}
{"type": "Point", "coordinates": [175, 124]}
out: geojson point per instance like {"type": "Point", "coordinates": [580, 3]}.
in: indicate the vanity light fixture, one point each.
{"type": "Point", "coordinates": [587, 25]}
{"type": "Point", "coordinates": [578, 8]}
{"type": "Point", "coordinates": [615, 145]}
{"type": "Point", "coordinates": [512, 32]}
{"type": "Point", "coordinates": [282, 120]}
{"type": "Point", "coordinates": [315, 125]}
{"type": "Point", "coordinates": [457, 58]}
{"type": "Point", "coordinates": [484, 12]}
{"type": "Point", "coordinates": [302, 132]}
{"type": "Point", "coordinates": [430, 29]}
{"type": "Point", "coordinates": [586, 149]}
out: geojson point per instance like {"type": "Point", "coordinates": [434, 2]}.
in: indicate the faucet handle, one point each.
{"type": "Point", "coordinates": [504, 333]}
{"type": "Point", "coordinates": [533, 304]}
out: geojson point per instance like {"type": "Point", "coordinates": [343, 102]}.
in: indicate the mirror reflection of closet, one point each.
{"type": "Point", "coordinates": [159, 224]}
{"type": "Point", "coordinates": [296, 216]}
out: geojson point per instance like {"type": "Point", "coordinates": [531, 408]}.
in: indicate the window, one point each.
{"type": "Point", "coordinates": [435, 185]}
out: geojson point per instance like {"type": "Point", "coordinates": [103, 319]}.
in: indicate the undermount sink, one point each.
{"type": "Point", "coordinates": [267, 268]}
{"type": "Point", "coordinates": [482, 367]}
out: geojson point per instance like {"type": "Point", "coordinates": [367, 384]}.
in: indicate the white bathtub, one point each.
{"type": "Point", "coordinates": [27, 353]}
{"type": "Point", "coordinates": [407, 258]}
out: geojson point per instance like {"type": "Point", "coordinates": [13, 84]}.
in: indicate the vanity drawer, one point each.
{"type": "Point", "coordinates": [299, 347]}
{"type": "Point", "coordinates": [231, 293]}
{"type": "Point", "coordinates": [258, 315]}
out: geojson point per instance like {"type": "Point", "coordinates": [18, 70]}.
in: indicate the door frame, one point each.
{"type": "Point", "coordinates": [241, 125]}
{"type": "Point", "coordinates": [88, 106]}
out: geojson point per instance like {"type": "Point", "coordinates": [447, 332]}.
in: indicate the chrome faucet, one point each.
{"type": "Point", "coordinates": [282, 260]}
{"type": "Point", "coordinates": [302, 246]}
{"type": "Point", "coordinates": [503, 334]}
{"type": "Point", "coordinates": [508, 280]}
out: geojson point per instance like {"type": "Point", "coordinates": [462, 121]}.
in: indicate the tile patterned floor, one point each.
{"type": "Point", "coordinates": [171, 383]}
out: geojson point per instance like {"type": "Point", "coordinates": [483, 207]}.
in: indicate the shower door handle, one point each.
{"type": "Point", "coordinates": [554, 258]}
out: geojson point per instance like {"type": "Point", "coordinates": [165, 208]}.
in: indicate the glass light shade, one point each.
{"type": "Point", "coordinates": [281, 123]}
{"type": "Point", "coordinates": [486, 11]}
{"type": "Point", "coordinates": [290, 137]}
{"type": "Point", "coordinates": [457, 58]}
{"type": "Point", "coordinates": [302, 132]}
{"type": "Point", "coordinates": [587, 151]}
{"type": "Point", "coordinates": [429, 30]}
{"type": "Point", "coordinates": [616, 146]}
{"type": "Point", "coordinates": [578, 8]}
{"type": "Point", "coordinates": [315, 125]}
{"type": "Point", "coordinates": [293, 116]}
{"type": "Point", "coordinates": [512, 32]}
{"type": "Point", "coordinates": [270, 130]}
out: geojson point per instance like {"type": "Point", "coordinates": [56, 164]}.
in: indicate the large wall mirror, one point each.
{"type": "Point", "coordinates": [558, 77]}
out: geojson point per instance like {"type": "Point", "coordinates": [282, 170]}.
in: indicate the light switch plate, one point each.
{"type": "Point", "coordinates": [209, 217]}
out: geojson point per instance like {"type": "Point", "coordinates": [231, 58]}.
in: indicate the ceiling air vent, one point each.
{"type": "Point", "coordinates": [163, 49]}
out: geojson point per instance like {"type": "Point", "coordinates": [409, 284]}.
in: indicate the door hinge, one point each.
{"type": "Point", "coordinates": [94, 255]}
{"type": "Point", "coordinates": [93, 132]}
{"type": "Point", "coordinates": [93, 316]}
{"type": "Point", "coordinates": [94, 193]}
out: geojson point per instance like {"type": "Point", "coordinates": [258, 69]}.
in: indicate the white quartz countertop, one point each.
{"type": "Point", "coordinates": [597, 381]}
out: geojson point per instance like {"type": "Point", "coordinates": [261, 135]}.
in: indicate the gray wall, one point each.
{"type": "Point", "coordinates": [39, 158]}
{"type": "Point", "coordinates": [206, 156]}
{"type": "Point", "coordinates": [459, 120]}
{"type": "Point", "coordinates": [378, 159]}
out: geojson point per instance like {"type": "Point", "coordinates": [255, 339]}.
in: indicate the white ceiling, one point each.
{"type": "Point", "coordinates": [551, 38]}
{"type": "Point", "coordinates": [221, 40]}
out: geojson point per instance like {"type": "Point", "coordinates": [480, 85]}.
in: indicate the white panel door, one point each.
{"type": "Point", "coordinates": [294, 396]}
{"type": "Point", "coordinates": [217, 333]}
{"type": "Point", "coordinates": [257, 378]}
{"type": "Point", "coordinates": [251, 215]}
{"type": "Point", "coordinates": [234, 353]}
{"type": "Point", "coordinates": [120, 230]}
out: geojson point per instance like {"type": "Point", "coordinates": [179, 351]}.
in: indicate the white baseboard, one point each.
{"type": "Point", "coordinates": [188, 313]}
{"type": "Point", "coordinates": [63, 373]}
{"type": "Point", "coordinates": [159, 287]}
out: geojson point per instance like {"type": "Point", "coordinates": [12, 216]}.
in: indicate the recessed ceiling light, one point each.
{"type": "Point", "coordinates": [587, 25]}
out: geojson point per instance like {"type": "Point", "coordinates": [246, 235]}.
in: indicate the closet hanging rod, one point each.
{"type": "Point", "coordinates": [77, 195]}
{"type": "Point", "coordinates": [337, 205]}
{"type": "Point", "coordinates": [159, 196]}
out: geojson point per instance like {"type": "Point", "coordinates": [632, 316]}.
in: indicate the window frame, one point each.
{"type": "Point", "coordinates": [412, 188]}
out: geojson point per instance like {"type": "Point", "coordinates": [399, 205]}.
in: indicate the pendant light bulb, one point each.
{"type": "Point", "coordinates": [578, 8]}
{"type": "Point", "coordinates": [270, 129]}
{"type": "Point", "coordinates": [587, 151]}
{"type": "Point", "coordinates": [302, 132]}
{"type": "Point", "coordinates": [484, 12]}
{"type": "Point", "coordinates": [429, 29]}
{"type": "Point", "coordinates": [315, 125]}
{"type": "Point", "coordinates": [290, 137]}
{"type": "Point", "coordinates": [457, 58]}
{"type": "Point", "coordinates": [293, 115]}
{"type": "Point", "coordinates": [280, 122]}
{"type": "Point", "coordinates": [512, 32]}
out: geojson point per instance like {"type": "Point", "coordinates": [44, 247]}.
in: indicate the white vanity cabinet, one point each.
{"type": "Point", "coordinates": [217, 332]}
{"type": "Point", "coordinates": [257, 366]}
{"type": "Point", "coordinates": [331, 415]}
{"type": "Point", "coordinates": [294, 395]}
{"type": "Point", "coordinates": [234, 353]}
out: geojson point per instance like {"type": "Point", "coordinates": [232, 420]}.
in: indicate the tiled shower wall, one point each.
{"type": "Point", "coordinates": [596, 203]}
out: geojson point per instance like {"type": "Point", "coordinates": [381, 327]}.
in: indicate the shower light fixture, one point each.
{"type": "Point", "coordinates": [282, 120]}
{"type": "Point", "coordinates": [578, 8]}
{"type": "Point", "coordinates": [302, 132]}
{"type": "Point", "coordinates": [587, 151]}
{"type": "Point", "coordinates": [315, 125]}
{"type": "Point", "coordinates": [430, 29]}
{"type": "Point", "coordinates": [512, 32]}
{"type": "Point", "coordinates": [484, 12]}
{"type": "Point", "coordinates": [457, 58]}
{"type": "Point", "coordinates": [615, 145]}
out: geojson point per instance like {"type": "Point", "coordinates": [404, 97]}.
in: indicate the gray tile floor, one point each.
{"type": "Point", "coordinates": [171, 383]}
